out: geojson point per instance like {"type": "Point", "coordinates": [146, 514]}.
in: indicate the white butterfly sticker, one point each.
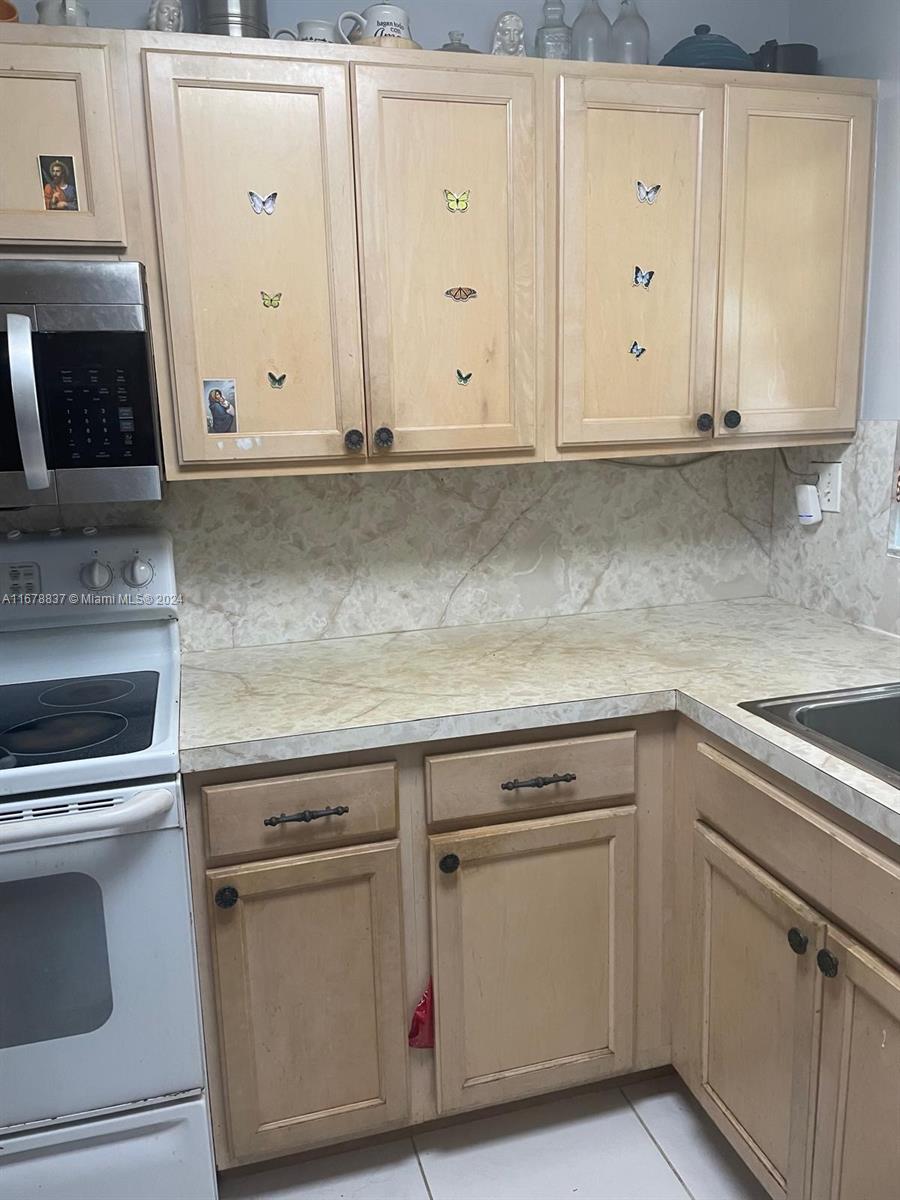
{"type": "Point", "coordinates": [647, 195]}
{"type": "Point", "coordinates": [642, 278]}
{"type": "Point", "coordinates": [637, 350]}
{"type": "Point", "coordinates": [263, 205]}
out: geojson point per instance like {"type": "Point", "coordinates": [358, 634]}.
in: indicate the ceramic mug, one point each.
{"type": "Point", "coordinates": [8, 12]}
{"type": "Point", "coordinates": [378, 21]}
{"type": "Point", "coordinates": [311, 31]}
{"type": "Point", "coordinates": [61, 12]}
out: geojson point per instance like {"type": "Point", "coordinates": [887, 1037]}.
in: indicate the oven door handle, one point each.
{"type": "Point", "coordinates": [25, 401]}
{"type": "Point", "coordinates": [137, 810]}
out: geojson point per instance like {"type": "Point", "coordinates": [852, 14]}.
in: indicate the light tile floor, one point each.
{"type": "Point", "coordinates": [646, 1141]}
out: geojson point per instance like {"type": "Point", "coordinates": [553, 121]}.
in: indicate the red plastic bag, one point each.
{"type": "Point", "coordinates": [421, 1027]}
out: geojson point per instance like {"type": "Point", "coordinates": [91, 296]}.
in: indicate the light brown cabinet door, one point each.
{"type": "Point", "coordinates": [450, 284]}
{"type": "Point", "coordinates": [758, 1006]}
{"type": "Point", "coordinates": [309, 994]}
{"type": "Point", "coordinates": [798, 172]}
{"type": "Point", "coordinates": [533, 948]}
{"type": "Point", "coordinates": [640, 178]}
{"type": "Point", "coordinates": [56, 106]}
{"type": "Point", "coordinates": [262, 298]}
{"type": "Point", "coordinates": [857, 1155]}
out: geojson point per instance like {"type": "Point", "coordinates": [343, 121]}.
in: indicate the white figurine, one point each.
{"type": "Point", "coordinates": [509, 36]}
{"type": "Point", "coordinates": [166, 16]}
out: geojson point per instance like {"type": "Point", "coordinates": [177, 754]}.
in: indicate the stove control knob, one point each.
{"type": "Point", "coordinates": [137, 572]}
{"type": "Point", "coordinates": [96, 575]}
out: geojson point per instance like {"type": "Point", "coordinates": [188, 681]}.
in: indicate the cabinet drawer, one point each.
{"type": "Point", "coordinates": [470, 786]}
{"type": "Point", "coordinates": [235, 812]}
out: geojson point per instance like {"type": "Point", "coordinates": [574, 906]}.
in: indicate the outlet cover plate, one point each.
{"type": "Point", "coordinates": [829, 485]}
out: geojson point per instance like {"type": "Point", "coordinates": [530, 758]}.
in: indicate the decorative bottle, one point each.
{"type": "Point", "coordinates": [554, 38]}
{"type": "Point", "coordinates": [591, 34]}
{"type": "Point", "coordinates": [630, 35]}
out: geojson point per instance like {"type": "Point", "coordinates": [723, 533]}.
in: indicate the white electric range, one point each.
{"type": "Point", "coordinates": [102, 1092]}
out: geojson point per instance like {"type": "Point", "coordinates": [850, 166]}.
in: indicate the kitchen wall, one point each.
{"type": "Point", "coordinates": [748, 22]}
{"type": "Point", "coordinates": [844, 566]}
{"type": "Point", "coordinates": [273, 560]}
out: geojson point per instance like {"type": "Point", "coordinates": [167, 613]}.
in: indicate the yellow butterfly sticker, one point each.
{"type": "Point", "coordinates": [271, 301]}
{"type": "Point", "coordinates": [457, 203]}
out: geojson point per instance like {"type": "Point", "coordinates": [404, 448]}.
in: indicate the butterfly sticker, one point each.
{"type": "Point", "coordinates": [260, 204]}
{"type": "Point", "coordinates": [461, 379]}
{"type": "Point", "coordinates": [460, 294]}
{"type": "Point", "coordinates": [637, 350]}
{"type": "Point", "coordinates": [643, 278]}
{"type": "Point", "coordinates": [647, 195]}
{"type": "Point", "coordinates": [271, 301]}
{"type": "Point", "coordinates": [457, 203]}
{"type": "Point", "coordinates": [276, 381]}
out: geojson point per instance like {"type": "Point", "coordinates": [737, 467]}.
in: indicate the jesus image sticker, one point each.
{"type": "Point", "coordinates": [58, 182]}
{"type": "Point", "coordinates": [220, 405]}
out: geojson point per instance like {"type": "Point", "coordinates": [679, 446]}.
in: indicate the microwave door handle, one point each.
{"type": "Point", "coordinates": [25, 401]}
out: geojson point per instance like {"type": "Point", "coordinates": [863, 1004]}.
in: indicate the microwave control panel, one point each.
{"type": "Point", "coordinates": [96, 392]}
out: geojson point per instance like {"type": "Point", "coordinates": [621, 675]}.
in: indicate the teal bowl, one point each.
{"type": "Point", "coordinates": [709, 50]}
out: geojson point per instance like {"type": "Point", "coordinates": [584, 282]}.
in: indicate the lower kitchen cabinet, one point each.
{"type": "Point", "coordinates": [797, 1034]}
{"type": "Point", "coordinates": [533, 952]}
{"type": "Point", "coordinates": [309, 997]}
{"type": "Point", "coordinates": [857, 1151]}
{"type": "Point", "coordinates": [759, 990]}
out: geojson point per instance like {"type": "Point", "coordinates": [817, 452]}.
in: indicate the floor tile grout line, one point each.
{"type": "Point", "coordinates": [421, 1169]}
{"type": "Point", "coordinates": [649, 1134]}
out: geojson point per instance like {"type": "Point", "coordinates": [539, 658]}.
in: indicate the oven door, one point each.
{"type": "Point", "coordinates": [98, 1006]}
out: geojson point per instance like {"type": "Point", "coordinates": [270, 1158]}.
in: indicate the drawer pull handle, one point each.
{"type": "Point", "coordinates": [797, 941]}
{"type": "Point", "coordinates": [308, 814]}
{"type": "Point", "coordinates": [449, 864]}
{"type": "Point", "coordinates": [827, 963]}
{"type": "Point", "coordinates": [540, 781]}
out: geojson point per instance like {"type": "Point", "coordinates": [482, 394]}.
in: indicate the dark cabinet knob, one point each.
{"type": "Point", "coordinates": [227, 897]}
{"type": "Point", "coordinates": [354, 440]}
{"type": "Point", "coordinates": [827, 963]}
{"type": "Point", "coordinates": [449, 863]}
{"type": "Point", "coordinates": [797, 941]}
{"type": "Point", "coordinates": [705, 422]}
{"type": "Point", "coordinates": [384, 438]}
{"type": "Point", "coordinates": [732, 419]}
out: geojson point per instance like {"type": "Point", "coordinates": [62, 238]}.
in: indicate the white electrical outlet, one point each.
{"type": "Point", "coordinates": [829, 485]}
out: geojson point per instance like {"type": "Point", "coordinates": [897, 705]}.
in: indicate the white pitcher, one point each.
{"type": "Point", "coordinates": [378, 21]}
{"type": "Point", "coordinates": [61, 12]}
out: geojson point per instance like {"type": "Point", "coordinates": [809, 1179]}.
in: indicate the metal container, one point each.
{"type": "Point", "coordinates": [234, 18]}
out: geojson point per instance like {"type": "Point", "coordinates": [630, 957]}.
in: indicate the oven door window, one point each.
{"type": "Point", "coordinates": [53, 947]}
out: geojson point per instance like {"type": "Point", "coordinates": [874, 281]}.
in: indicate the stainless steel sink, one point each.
{"type": "Point", "coordinates": [861, 725]}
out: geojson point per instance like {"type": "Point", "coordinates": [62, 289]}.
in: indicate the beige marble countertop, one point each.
{"type": "Point", "coordinates": [269, 703]}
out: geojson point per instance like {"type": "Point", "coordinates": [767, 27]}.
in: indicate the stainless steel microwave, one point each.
{"type": "Point", "coordinates": [78, 415]}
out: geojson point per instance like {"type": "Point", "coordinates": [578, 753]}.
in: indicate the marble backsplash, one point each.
{"type": "Point", "coordinates": [843, 565]}
{"type": "Point", "coordinates": [295, 559]}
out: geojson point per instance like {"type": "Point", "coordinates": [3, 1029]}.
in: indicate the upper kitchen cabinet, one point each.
{"type": "Point", "coordinates": [798, 171]}
{"type": "Point", "coordinates": [640, 180]}
{"type": "Point", "coordinates": [447, 191]}
{"type": "Point", "coordinates": [60, 184]}
{"type": "Point", "coordinates": [253, 176]}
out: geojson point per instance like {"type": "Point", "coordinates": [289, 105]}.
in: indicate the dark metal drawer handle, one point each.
{"type": "Point", "coordinates": [309, 814]}
{"type": "Point", "coordinates": [539, 781]}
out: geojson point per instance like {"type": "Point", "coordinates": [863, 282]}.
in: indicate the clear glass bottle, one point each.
{"type": "Point", "coordinates": [554, 38]}
{"type": "Point", "coordinates": [591, 34]}
{"type": "Point", "coordinates": [630, 35]}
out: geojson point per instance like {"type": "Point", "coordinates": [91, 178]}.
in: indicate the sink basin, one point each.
{"type": "Point", "coordinates": [861, 725]}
